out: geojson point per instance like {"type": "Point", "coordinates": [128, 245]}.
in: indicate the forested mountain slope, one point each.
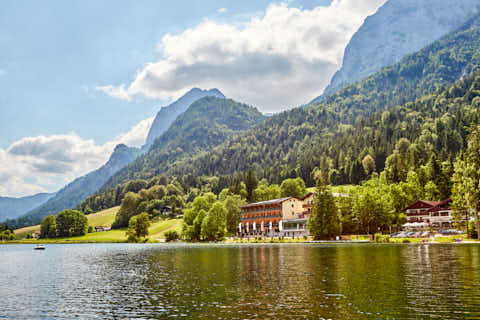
{"type": "Point", "coordinates": [423, 136]}
{"type": "Point", "coordinates": [208, 122]}
{"type": "Point", "coordinates": [168, 114]}
{"type": "Point", "coordinates": [72, 194]}
{"type": "Point", "coordinates": [398, 28]}
{"type": "Point", "coordinates": [11, 208]}
{"type": "Point", "coordinates": [285, 145]}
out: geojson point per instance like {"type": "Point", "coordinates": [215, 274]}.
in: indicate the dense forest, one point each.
{"type": "Point", "coordinates": [208, 122]}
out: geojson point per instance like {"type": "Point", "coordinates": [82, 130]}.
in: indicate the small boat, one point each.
{"type": "Point", "coordinates": [39, 247]}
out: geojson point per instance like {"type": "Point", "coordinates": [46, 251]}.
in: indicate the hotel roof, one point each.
{"type": "Point", "coordinates": [262, 203]}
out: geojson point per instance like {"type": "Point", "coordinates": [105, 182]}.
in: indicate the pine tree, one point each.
{"type": "Point", "coordinates": [324, 222]}
{"type": "Point", "coordinates": [251, 182]}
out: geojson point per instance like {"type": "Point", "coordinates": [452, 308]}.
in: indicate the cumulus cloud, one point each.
{"type": "Point", "coordinates": [137, 135]}
{"type": "Point", "coordinates": [279, 60]}
{"type": "Point", "coordinates": [46, 163]}
{"type": "Point", "coordinates": [117, 92]}
{"type": "Point", "coordinates": [222, 10]}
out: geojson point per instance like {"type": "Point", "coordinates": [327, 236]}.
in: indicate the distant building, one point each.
{"type": "Point", "coordinates": [429, 214]}
{"type": "Point", "coordinates": [36, 234]}
{"type": "Point", "coordinates": [102, 228]}
{"type": "Point", "coordinates": [166, 210]}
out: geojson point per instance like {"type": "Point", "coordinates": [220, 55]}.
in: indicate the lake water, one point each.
{"type": "Point", "coordinates": [128, 281]}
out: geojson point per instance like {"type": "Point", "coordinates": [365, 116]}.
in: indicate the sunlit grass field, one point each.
{"type": "Point", "coordinates": [106, 218]}
{"type": "Point", "coordinates": [101, 218]}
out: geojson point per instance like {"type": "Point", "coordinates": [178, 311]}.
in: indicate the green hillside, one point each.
{"type": "Point", "coordinates": [208, 122]}
{"type": "Point", "coordinates": [106, 218]}
{"type": "Point", "coordinates": [101, 218]}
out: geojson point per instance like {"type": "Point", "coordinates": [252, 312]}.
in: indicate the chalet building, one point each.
{"type": "Point", "coordinates": [307, 204]}
{"type": "Point", "coordinates": [282, 216]}
{"type": "Point", "coordinates": [102, 228]}
{"type": "Point", "coordinates": [429, 214]}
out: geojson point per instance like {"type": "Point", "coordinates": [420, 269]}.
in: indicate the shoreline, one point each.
{"type": "Point", "coordinates": [240, 242]}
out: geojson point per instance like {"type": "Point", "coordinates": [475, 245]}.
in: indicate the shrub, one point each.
{"type": "Point", "coordinates": [382, 238]}
{"type": "Point", "coordinates": [472, 230]}
{"type": "Point", "coordinates": [406, 241]}
{"type": "Point", "coordinates": [171, 235]}
{"type": "Point", "coordinates": [90, 229]}
{"type": "Point", "coordinates": [132, 238]}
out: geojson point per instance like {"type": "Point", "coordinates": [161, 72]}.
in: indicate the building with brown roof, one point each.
{"type": "Point", "coordinates": [273, 216]}
{"type": "Point", "coordinates": [433, 214]}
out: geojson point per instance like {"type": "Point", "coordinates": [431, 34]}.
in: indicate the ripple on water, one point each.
{"type": "Point", "coordinates": [123, 281]}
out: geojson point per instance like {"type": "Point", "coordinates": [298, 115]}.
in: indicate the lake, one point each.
{"type": "Point", "coordinates": [286, 281]}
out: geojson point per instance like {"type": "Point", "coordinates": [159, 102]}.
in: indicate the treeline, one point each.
{"type": "Point", "coordinates": [6, 232]}
{"type": "Point", "coordinates": [152, 201]}
{"type": "Point", "coordinates": [377, 205]}
{"type": "Point", "coordinates": [68, 223]}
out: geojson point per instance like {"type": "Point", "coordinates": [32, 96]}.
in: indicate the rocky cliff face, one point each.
{"type": "Point", "coordinates": [398, 28]}
{"type": "Point", "coordinates": [168, 114]}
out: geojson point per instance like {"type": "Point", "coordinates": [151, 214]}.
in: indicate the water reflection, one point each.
{"type": "Point", "coordinates": [121, 281]}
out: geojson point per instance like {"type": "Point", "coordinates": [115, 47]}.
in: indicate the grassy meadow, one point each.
{"type": "Point", "coordinates": [105, 218]}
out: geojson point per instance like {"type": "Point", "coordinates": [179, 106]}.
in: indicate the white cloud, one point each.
{"type": "Point", "coordinates": [137, 135]}
{"type": "Point", "coordinates": [46, 163]}
{"type": "Point", "coordinates": [222, 10]}
{"type": "Point", "coordinates": [117, 92]}
{"type": "Point", "coordinates": [279, 60]}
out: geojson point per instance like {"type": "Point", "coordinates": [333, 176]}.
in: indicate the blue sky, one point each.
{"type": "Point", "coordinates": [54, 52]}
{"type": "Point", "coordinates": [82, 70]}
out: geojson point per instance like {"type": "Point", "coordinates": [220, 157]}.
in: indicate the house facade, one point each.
{"type": "Point", "coordinates": [307, 204]}
{"type": "Point", "coordinates": [430, 214]}
{"type": "Point", "coordinates": [283, 217]}
{"type": "Point", "coordinates": [102, 228]}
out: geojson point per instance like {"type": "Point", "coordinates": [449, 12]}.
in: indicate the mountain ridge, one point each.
{"type": "Point", "coordinates": [12, 208]}
{"type": "Point", "coordinates": [397, 29]}
{"type": "Point", "coordinates": [167, 114]}
{"type": "Point", "coordinates": [207, 122]}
